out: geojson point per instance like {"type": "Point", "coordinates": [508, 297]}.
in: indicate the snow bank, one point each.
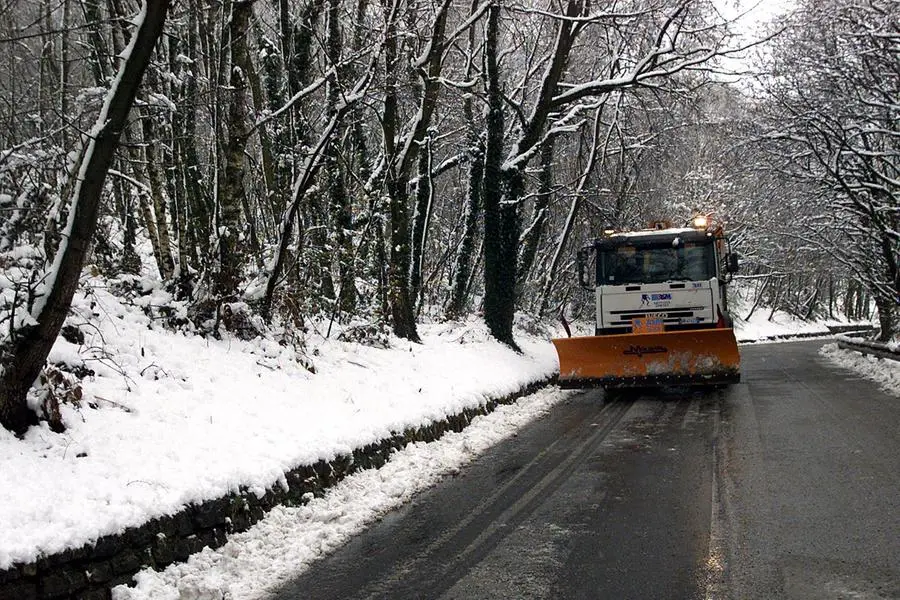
{"type": "Point", "coordinates": [288, 540]}
{"type": "Point", "coordinates": [764, 325]}
{"type": "Point", "coordinates": [883, 371]}
{"type": "Point", "coordinates": [170, 419]}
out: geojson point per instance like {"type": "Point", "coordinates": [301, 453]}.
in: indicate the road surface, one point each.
{"type": "Point", "coordinates": [785, 486]}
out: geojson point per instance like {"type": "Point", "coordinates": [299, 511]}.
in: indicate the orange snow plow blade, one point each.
{"type": "Point", "coordinates": [703, 356]}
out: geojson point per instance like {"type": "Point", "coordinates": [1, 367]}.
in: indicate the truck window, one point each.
{"type": "Point", "coordinates": [630, 264]}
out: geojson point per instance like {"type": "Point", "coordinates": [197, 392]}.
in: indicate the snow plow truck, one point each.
{"type": "Point", "coordinates": [662, 315]}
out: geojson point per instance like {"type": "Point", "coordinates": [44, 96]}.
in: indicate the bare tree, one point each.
{"type": "Point", "coordinates": [833, 114]}
{"type": "Point", "coordinates": [474, 141]}
{"type": "Point", "coordinates": [25, 351]}
{"type": "Point", "coordinates": [666, 41]}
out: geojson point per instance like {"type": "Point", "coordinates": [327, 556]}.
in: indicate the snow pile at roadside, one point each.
{"type": "Point", "coordinates": [760, 327]}
{"type": "Point", "coordinates": [169, 419]}
{"type": "Point", "coordinates": [764, 324]}
{"type": "Point", "coordinates": [288, 540]}
{"type": "Point", "coordinates": [884, 372]}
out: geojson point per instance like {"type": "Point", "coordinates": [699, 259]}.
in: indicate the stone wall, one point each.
{"type": "Point", "coordinates": [90, 572]}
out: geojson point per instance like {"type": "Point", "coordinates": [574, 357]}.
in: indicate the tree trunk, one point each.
{"type": "Point", "coordinates": [776, 297]}
{"type": "Point", "coordinates": [862, 304]}
{"type": "Point", "coordinates": [402, 313]}
{"type": "Point", "coordinates": [47, 68]}
{"type": "Point", "coordinates": [400, 162]}
{"type": "Point", "coordinates": [305, 179]}
{"type": "Point", "coordinates": [231, 192]}
{"type": "Point", "coordinates": [594, 155]}
{"type": "Point", "coordinates": [831, 298]}
{"type": "Point", "coordinates": [463, 267]}
{"type": "Point", "coordinates": [99, 52]}
{"type": "Point", "coordinates": [195, 221]}
{"type": "Point", "coordinates": [500, 277]}
{"type": "Point", "coordinates": [500, 221]}
{"type": "Point", "coordinates": [890, 297]}
{"type": "Point", "coordinates": [157, 192]}
{"type": "Point", "coordinates": [464, 258]}
{"type": "Point", "coordinates": [380, 266]}
{"type": "Point", "coordinates": [286, 79]}
{"type": "Point", "coordinates": [338, 200]}
{"type": "Point", "coordinates": [129, 262]}
{"type": "Point", "coordinates": [758, 296]}
{"type": "Point", "coordinates": [424, 204]}
{"type": "Point", "coordinates": [273, 193]}
{"type": "Point", "coordinates": [887, 317]}
{"type": "Point", "coordinates": [561, 244]}
{"type": "Point", "coordinates": [301, 187]}
{"type": "Point", "coordinates": [811, 304]}
{"type": "Point", "coordinates": [64, 67]}
{"type": "Point", "coordinates": [25, 354]}
{"type": "Point", "coordinates": [850, 299]}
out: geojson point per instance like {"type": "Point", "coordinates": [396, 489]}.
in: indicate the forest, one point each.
{"type": "Point", "coordinates": [375, 163]}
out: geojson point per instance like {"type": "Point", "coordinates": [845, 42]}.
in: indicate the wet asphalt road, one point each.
{"type": "Point", "coordinates": [809, 470]}
{"type": "Point", "coordinates": [785, 486]}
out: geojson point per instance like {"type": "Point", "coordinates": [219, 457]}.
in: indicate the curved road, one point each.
{"type": "Point", "coordinates": [785, 486]}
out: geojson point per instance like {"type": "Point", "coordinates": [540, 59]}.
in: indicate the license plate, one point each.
{"type": "Point", "coordinates": [648, 325]}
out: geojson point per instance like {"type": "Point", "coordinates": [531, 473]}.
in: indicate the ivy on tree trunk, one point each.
{"type": "Point", "coordinates": [500, 221]}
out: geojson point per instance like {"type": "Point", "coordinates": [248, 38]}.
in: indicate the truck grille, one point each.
{"type": "Point", "coordinates": [624, 317]}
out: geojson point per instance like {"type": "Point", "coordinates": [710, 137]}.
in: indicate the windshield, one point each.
{"type": "Point", "coordinates": [690, 261]}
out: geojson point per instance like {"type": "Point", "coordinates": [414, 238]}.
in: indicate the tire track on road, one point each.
{"type": "Point", "coordinates": [431, 573]}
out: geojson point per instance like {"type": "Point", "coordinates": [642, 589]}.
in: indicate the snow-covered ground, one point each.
{"type": "Point", "coordinates": [168, 419]}
{"type": "Point", "coordinates": [289, 539]}
{"type": "Point", "coordinates": [760, 327]}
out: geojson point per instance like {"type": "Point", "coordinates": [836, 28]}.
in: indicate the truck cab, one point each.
{"type": "Point", "coordinates": [665, 279]}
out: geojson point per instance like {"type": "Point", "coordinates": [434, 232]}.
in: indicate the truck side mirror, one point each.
{"type": "Point", "coordinates": [732, 262]}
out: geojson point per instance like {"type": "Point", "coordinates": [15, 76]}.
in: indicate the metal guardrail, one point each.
{"type": "Point", "coordinates": [832, 330]}
{"type": "Point", "coordinates": [867, 347]}
{"type": "Point", "coordinates": [845, 329]}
